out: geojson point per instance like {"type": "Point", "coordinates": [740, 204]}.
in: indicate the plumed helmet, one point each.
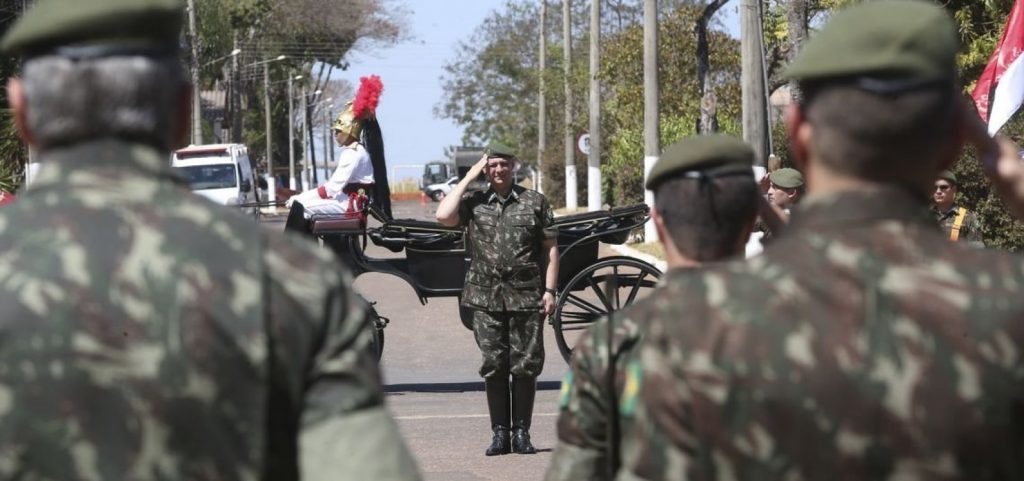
{"type": "Point", "coordinates": [364, 106]}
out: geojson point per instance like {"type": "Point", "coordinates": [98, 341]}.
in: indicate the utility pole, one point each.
{"type": "Point", "coordinates": [197, 126]}
{"type": "Point", "coordinates": [594, 157]}
{"type": "Point", "coordinates": [307, 167]}
{"type": "Point", "coordinates": [652, 115]}
{"type": "Point", "coordinates": [271, 178]}
{"type": "Point", "coordinates": [570, 147]}
{"type": "Point", "coordinates": [755, 115]}
{"type": "Point", "coordinates": [292, 183]}
{"type": "Point", "coordinates": [236, 114]}
{"type": "Point", "coordinates": [542, 107]}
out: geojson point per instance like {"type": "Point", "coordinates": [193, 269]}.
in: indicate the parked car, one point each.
{"type": "Point", "coordinates": [221, 173]}
{"type": "Point", "coordinates": [437, 191]}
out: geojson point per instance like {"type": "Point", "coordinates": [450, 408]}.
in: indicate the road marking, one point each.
{"type": "Point", "coordinates": [462, 416]}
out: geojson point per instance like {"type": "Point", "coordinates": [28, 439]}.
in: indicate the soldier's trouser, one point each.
{"type": "Point", "coordinates": [510, 342]}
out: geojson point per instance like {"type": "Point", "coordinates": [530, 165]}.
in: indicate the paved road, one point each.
{"type": "Point", "coordinates": [430, 366]}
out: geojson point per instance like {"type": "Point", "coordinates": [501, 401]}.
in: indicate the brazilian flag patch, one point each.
{"type": "Point", "coordinates": [563, 395]}
{"type": "Point", "coordinates": [631, 390]}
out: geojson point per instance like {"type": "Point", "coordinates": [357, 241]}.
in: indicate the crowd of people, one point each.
{"type": "Point", "coordinates": [872, 338]}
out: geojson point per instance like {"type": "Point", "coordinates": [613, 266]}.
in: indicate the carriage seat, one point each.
{"type": "Point", "coordinates": [353, 222]}
{"type": "Point", "coordinates": [334, 224]}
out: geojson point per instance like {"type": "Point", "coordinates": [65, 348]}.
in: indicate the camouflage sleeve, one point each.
{"type": "Point", "coordinates": [548, 220]}
{"type": "Point", "coordinates": [659, 441]}
{"type": "Point", "coordinates": [337, 381]}
{"type": "Point", "coordinates": [582, 449]}
{"type": "Point", "coordinates": [466, 205]}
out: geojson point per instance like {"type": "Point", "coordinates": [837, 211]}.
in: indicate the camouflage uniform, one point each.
{"type": "Point", "coordinates": [149, 334]}
{"type": "Point", "coordinates": [505, 280]}
{"type": "Point", "coordinates": [589, 427]}
{"type": "Point", "coordinates": [154, 335]}
{"type": "Point", "coordinates": [853, 348]}
{"type": "Point", "coordinates": [585, 403]}
{"type": "Point", "coordinates": [970, 229]}
{"type": "Point", "coordinates": [861, 344]}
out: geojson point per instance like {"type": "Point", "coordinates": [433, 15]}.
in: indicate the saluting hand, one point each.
{"type": "Point", "coordinates": [478, 167]}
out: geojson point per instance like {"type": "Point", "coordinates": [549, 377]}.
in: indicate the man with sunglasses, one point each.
{"type": "Point", "coordinates": [511, 282]}
{"type": "Point", "coordinates": [958, 223]}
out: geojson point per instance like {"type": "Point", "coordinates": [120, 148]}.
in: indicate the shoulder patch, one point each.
{"type": "Point", "coordinates": [631, 389]}
{"type": "Point", "coordinates": [564, 393]}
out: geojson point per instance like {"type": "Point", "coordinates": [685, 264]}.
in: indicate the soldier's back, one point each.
{"type": "Point", "coordinates": [148, 333]}
{"type": "Point", "coordinates": [864, 345]}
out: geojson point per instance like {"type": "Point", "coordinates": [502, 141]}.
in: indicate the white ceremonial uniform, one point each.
{"type": "Point", "coordinates": [354, 167]}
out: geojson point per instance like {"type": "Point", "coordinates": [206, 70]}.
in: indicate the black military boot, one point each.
{"type": "Point", "coordinates": [296, 220]}
{"type": "Point", "coordinates": [498, 406]}
{"type": "Point", "coordinates": [523, 392]}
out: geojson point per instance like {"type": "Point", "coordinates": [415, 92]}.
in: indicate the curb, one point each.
{"type": "Point", "coordinates": [625, 250]}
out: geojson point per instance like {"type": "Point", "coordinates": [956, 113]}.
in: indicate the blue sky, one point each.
{"type": "Point", "coordinates": [411, 73]}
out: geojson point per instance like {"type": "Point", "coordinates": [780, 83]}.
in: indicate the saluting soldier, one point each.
{"type": "Point", "coordinates": [510, 285]}
{"type": "Point", "coordinates": [706, 200]}
{"type": "Point", "coordinates": [861, 344]}
{"type": "Point", "coordinates": [149, 334]}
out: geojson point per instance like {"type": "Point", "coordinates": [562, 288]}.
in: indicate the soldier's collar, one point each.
{"type": "Point", "coordinates": [853, 207]}
{"type": "Point", "coordinates": [513, 194]}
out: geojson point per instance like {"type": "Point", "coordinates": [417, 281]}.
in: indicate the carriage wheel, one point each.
{"type": "Point", "coordinates": [379, 323]}
{"type": "Point", "coordinates": [583, 300]}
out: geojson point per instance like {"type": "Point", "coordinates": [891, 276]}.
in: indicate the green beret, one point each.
{"type": "Point", "coordinates": [889, 46]}
{"type": "Point", "coordinates": [95, 28]}
{"type": "Point", "coordinates": [787, 178]}
{"type": "Point", "coordinates": [498, 149]}
{"type": "Point", "coordinates": [948, 176]}
{"type": "Point", "coordinates": [708, 154]}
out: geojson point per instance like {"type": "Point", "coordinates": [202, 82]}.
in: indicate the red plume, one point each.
{"type": "Point", "coordinates": [368, 96]}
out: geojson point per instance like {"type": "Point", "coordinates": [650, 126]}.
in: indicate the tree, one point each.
{"type": "Point", "coordinates": [708, 120]}
{"type": "Point", "coordinates": [491, 85]}
{"type": "Point", "coordinates": [315, 36]}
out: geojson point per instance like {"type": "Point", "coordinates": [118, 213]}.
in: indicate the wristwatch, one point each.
{"type": "Point", "coordinates": [552, 291]}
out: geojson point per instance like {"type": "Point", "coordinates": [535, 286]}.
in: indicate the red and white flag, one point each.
{"type": "Point", "coordinates": [1000, 89]}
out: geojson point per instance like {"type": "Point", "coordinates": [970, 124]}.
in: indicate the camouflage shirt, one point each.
{"type": "Point", "coordinates": [148, 334]}
{"type": "Point", "coordinates": [970, 228]}
{"type": "Point", "coordinates": [589, 400]}
{"type": "Point", "coordinates": [506, 238]}
{"type": "Point", "coordinates": [861, 345]}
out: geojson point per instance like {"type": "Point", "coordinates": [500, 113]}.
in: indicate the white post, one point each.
{"type": "Point", "coordinates": [570, 142]}
{"type": "Point", "coordinates": [652, 123]}
{"type": "Point", "coordinates": [594, 157]}
{"type": "Point", "coordinates": [292, 181]}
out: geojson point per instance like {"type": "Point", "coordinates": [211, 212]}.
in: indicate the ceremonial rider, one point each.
{"type": "Point", "coordinates": [511, 282]}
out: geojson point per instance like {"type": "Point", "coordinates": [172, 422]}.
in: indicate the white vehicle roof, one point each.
{"type": "Point", "coordinates": [208, 154]}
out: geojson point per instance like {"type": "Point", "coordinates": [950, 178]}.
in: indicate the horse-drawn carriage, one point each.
{"type": "Point", "coordinates": [436, 259]}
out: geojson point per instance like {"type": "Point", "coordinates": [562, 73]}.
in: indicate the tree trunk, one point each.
{"type": "Point", "coordinates": [796, 19]}
{"type": "Point", "coordinates": [708, 121]}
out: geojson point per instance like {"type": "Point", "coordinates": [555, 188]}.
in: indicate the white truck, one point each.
{"type": "Point", "coordinates": [221, 173]}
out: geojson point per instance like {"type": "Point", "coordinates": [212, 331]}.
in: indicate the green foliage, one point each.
{"type": "Point", "coordinates": [13, 153]}
{"type": "Point", "coordinates": [491, 88]}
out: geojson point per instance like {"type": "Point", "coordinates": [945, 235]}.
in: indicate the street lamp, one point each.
{"type": "Point", "coordinates": [218, 59]}
{"type": "Point", "coordinates": [197, 106]}
{"type": "Point", "coordinates": [272, 187]}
